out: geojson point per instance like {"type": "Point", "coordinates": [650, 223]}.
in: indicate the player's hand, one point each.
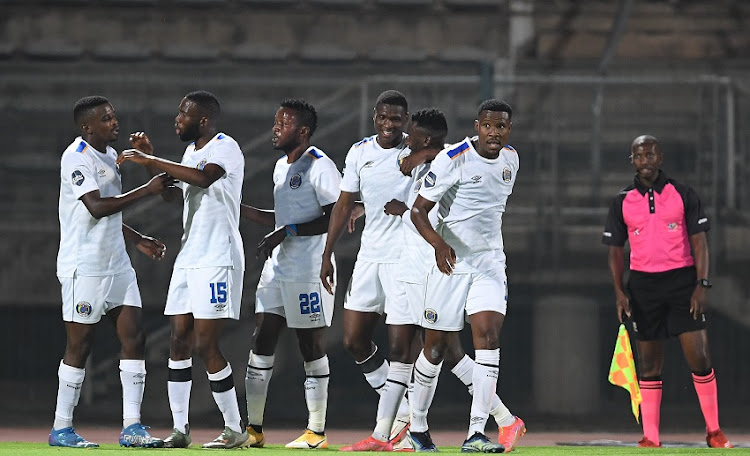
{"type": "Point", "coordinates": [622, 304]}
{"type": "Point", "coordinates": [410, 162]}
{"type": "Point", "coordinates": [135, 156]}
{"type": "Point", "coordinates": [140, 141]}
{"type": "Point", "coordinates": [159, 183]}
{"type": "Point", "coordinates": [698, 302]}
{"type": "Point", "coordinates": [270, 242]}
{"type": "Point", "coordinates": [395, 207]}
{"type": "Point", "coordinates": [357, 212]}
{"type": "Point", "coordinates": [326, 274]}
{"type": "Point", "coordinates": [151, 247]}
{"type": "Point", "coordinates": [445, 258]}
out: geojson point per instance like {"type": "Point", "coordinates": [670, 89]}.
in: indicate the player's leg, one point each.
{"type": "Point", "coordinates": [82, 307]}
{"type": "Point", "coordinates": [268, 328]}
{"type": "Point", "coordinates": [180, 363]}
{"type": "Point", "coordinates": [510, 427]}
{"type": "Point", "coordinates": [426, 372]}
{"type": "Point", "coordinates": [400, 338]}
{"type": "Point", "coordinates": [697, 354]}
{"type": "Point", "coordinates": [311, 342]}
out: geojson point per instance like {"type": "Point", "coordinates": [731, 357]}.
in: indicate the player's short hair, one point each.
{"type": "Point", "coordinates": [495, 105]}
{"type": "Point", "coordinates": [83, 107]}
{"type": "Point", "coordinates": [207, 102]}
{"type": "Point", "coordinates": [432, 121]}
{"type": "Point", "coordinates": [306, 114]}
{"type": "Point", "coordinates": [393, 97]}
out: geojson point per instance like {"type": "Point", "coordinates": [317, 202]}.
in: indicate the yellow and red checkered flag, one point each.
{"type": "Point", "coordinates": [622, 371]}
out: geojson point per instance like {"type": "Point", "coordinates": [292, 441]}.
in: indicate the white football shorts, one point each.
{"type": "Point", "coordinates": [449, 298]}
{"type": "Point", "coordinates": [303, 304]}
{"type": "Point", "coordinates": [373, 288]}
{"type": "Point", "coordinates": [207, 293]}
{"type": "Point", "coordinates": [85, 298]}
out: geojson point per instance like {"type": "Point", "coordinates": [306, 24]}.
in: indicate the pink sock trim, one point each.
{"type": "Point", "coordinates": [651, 408]}
{"type": "Point", "coordinates": [705, 388]}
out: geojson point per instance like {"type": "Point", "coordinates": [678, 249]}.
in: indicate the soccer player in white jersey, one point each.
{"type": "Point", "coordinates": [206, 285]}
{"type": "Point", "coordinates": [471, 180]}
{"type": "Point", "coordinates": [427, 131]}
{"type": "Point", "coordinates": [95, 271]}
{"type": "Point", "coordinates": [373, 170]}
{"type": "Point", "coordinates": [306, 186]}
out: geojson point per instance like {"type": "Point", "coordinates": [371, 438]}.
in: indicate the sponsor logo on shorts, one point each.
{"type": "Point", "coordinates": [635, 327]}
{"type": "Point", "coordinates": [702, 221]}
{"type": "Point", "coordinates": [507, 175]}
{"type": "Point", "coordinates": [201, 164]}
{"type": "Point", "coordinates": [672, 226]}
{"type": "Point", "coordinates": [295, 181]}
{"type": "Point", "coordinates": [83, 309]}
{"type": "Point", "coordinates": [430, 315]}
{"type": "Point", "coordinates": [430, 179]}
{"type": "Point", "coordinates": [77, 178]}
{"type": "Point", "coordinates": [220, 307]}
{"type": "Point", "coordinates": [315, 317]}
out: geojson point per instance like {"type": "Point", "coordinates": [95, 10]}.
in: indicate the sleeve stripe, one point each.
{"type": "Point", "coordinates": [456, 152]}
{"type": "Point", "coordinates": [81, 147]}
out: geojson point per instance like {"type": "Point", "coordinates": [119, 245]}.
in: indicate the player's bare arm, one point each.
{"type": "Point", "coordinates": [199, 177]}
{"type": "Point", "coordinates": [263, 217]}
{"type": "Point", "coordinates": [340, 215]}
{"type": "Point", "coordinates": [314, 227]}
{"type": "Point", "coordinates": [101, 207]}
{"type": "Point", "coordinates": [615, 260]}
{"type": "Point", "coordinates": [445, 256]}
{"type": "Point", "coordinates": [699, 245]}
{"type": "Point", "coordinates": [151, 247]}
{"type": "Point", "coordinates": [417, 158]}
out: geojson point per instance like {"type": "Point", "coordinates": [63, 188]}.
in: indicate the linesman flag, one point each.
{"type": "Point", "coordinates": [622, 371]}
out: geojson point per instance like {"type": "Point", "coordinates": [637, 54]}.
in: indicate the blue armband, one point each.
{"type": "Point", "coordinates": [291, 230]}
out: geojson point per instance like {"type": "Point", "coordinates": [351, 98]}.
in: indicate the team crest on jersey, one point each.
{"type": "Point", "coordinates": [77, 178]}
{"type": "Point", "coordinates": [430, 179]}
{"type": "Point", "coordinates": [201, 164]}
{"type": "Point", "coordinates": [401, 156]}
{"type": "Point", "coordinates": [507, 175]}
{"type": "Point", "coordinates": [83, 309]}
{"type": "Point", "coordinates": [672, 226]}
{"type": "Point", "coordinates": [295, 181]}
{"type": "Point", "coordinates": [430, 315]}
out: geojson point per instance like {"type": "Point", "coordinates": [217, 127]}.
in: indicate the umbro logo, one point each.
{"type": "Point", "coordinates": [368, 164]}
{"type": "Point", "coordinates": [476, 178]}
{"type": "Point", "coordinates": [702, 221]}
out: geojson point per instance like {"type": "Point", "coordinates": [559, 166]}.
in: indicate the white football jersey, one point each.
{"type": "Point", "coordinates": [417, 254]}
{"type": "Point", "coordinates": [472, 192]}
{"type": "Point", "coordinates": [300, 191]}
{"type": "Point", "coordinates": [374, 173]}
{"type": "Point", "coordinates": [211, 216]}
{"type": "Point", "coordinates": [89, 247]}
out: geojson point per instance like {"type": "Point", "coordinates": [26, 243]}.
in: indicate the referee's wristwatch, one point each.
{"type": "Point", "coordinates": [705, 283]}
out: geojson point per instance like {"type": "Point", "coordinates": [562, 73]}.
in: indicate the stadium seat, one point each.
{"type": "Point", "coordinates": [398, 54]}
{"type": "Point", "coordinates": [464, 54]}
{"type": "Point", "coordinates": [53, 49]}
{"type": "Point", "coordinates": [120, 50]}
{"type": "Point", "coordinates": [327, 52]}
{"type": "Point", "coordinates": [259, 51]}
{"type": "Point", "coordinates": [190, 52]}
